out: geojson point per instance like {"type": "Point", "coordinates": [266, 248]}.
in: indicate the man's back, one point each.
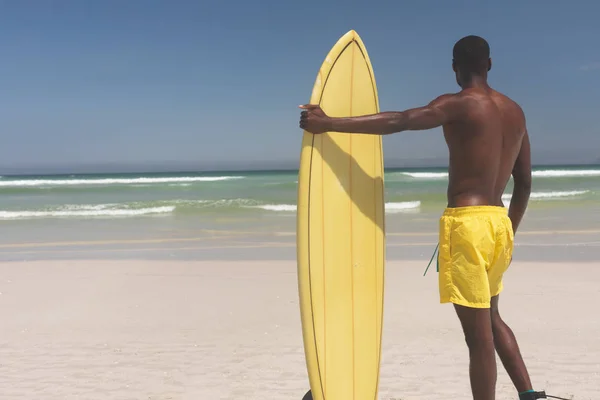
{"type": "Point", "coordinates": [484, 142]}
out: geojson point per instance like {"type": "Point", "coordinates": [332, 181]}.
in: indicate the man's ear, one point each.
{"type": "Point", "coordinates": [489, 64]}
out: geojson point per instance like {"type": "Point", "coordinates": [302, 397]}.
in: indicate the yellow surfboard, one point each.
{"type": "Point", "coordinates": [341, 234]}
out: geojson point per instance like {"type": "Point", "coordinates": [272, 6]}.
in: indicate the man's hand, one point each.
{"type": "Point", "coordinates": [314, 120]}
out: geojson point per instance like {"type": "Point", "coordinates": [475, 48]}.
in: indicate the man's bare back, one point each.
{"type": "Point", "coordinates": [484, 141]}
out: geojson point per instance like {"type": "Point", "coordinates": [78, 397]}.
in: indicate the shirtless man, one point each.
{"type": "Point", "coordinates": [488, 142]}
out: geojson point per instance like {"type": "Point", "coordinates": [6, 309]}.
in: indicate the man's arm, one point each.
{"type": "Point", "coordinates": [437, 113]}
{"type": "Point", "coordinates": [522, 184]}
{"type": "Point", "coordinates": [440, 111]}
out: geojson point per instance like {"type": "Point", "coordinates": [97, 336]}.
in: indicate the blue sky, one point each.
{"type": "Point", "coordinates": [217, 83]}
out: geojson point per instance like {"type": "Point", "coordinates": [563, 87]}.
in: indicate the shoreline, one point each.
{"type": "Point", "coordinates": [557, 245]}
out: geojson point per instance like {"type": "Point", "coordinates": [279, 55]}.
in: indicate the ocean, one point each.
{"type": "Point", "coordinates": [251, 214]}
{"type": "Point", "coordinates": [93, 206]}
{"type": "Point", "coordinates": [246, 193]}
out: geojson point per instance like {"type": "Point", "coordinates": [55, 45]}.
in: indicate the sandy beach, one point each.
{"type": "Point", "coordinates": [139, 329]}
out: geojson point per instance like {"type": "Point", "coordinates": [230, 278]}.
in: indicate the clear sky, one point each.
{"type": "Point", "coordinates": [217, 83]}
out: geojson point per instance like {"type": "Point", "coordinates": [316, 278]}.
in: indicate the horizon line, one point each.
{"type": "Point", "coordinates": [134, 170]}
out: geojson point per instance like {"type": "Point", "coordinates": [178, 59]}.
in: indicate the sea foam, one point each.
{"type": "Point", "coordinates": [550, 195]}
{"type": "Point", "coordinates": [97, 212]}
{"type": "Point", "coordinates": [113, 181]}
{"type": "Point", "coordinates": [547, 173]}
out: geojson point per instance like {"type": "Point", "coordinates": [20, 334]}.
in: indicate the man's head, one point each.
{"type": "Point", "coordinates": [471, 57]}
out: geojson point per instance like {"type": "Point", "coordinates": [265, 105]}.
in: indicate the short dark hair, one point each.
{"type": "Point", "coordinates": [471, 52]}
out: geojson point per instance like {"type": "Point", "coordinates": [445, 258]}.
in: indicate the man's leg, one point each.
{"type": "Point", "coordinates": [477, 327]}
{"type": "Point", "coordinates": [508, 350]}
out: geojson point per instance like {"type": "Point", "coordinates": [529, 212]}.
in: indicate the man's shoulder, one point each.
{"type": "Point", "coordinates": [505, 98]}
{"type": "Point", "coordinates": [448, 100]}
{"type": "Point", "coordinates": [511, 104]}
{"type": "Point", "coordinates": [461, 103]}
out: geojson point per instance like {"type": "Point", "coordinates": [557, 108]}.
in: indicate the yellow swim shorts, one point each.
{"type": "Point", "coordinates": [476, 245]}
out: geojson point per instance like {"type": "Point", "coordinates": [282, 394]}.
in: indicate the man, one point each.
{"type": "Point", "coordinates": [488, 142]}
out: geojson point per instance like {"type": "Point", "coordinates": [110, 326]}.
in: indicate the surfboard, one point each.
{"type": "Point", "coordinates": [341, 234]}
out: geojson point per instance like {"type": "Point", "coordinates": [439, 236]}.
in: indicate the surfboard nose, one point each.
{"type": "Point", "coordinates": [352, 33]}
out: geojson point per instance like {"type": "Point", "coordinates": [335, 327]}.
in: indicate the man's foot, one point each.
{"type": "Point", "coordinates": [533, 395]}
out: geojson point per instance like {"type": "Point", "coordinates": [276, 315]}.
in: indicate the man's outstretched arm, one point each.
{"type": "Point", "coordinates": [522, 184]}
{"type": "Point", "coordinates": [437, 113]}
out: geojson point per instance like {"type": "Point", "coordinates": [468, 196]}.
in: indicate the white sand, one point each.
{"type": "Point", "coordinates": [231, 330]}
